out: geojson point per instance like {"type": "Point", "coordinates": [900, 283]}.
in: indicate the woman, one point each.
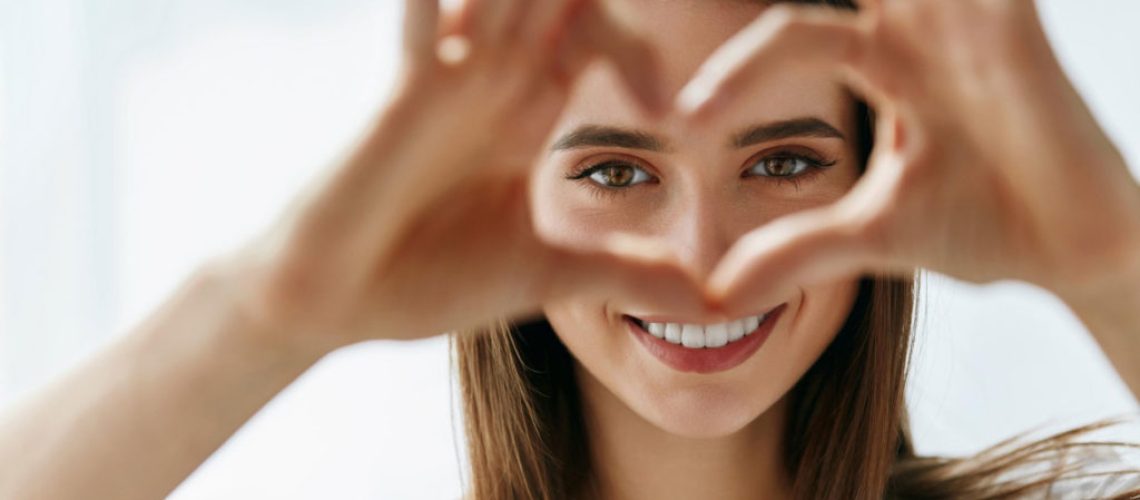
{"type": "Point", "coordinates": [708, 297]}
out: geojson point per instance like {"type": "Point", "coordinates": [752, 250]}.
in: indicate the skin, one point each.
{"type": "Point", "coordinates": [972, 176]}
{"type": "Point", "coordinates": [653, 428]}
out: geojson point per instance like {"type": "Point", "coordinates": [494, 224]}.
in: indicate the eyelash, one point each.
{"type": "Point", "coordinates": [582, 175]}
{"type": "Point", "coordinates": [815, 167]}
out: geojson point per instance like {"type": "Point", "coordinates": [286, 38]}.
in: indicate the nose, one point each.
{"type": "Point", "coordinates": [699, 231]}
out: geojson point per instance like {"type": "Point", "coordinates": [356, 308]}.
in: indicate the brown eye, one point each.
{"type": "Point", "coordinates": [616, 175]}
{"type": "Point", "coordinates": [786, 166]}
{"type": "Point", "coordinates": [781, 166]}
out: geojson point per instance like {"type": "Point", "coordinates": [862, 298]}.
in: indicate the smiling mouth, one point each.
{"type": "Point", "coordinates": [695, 336]}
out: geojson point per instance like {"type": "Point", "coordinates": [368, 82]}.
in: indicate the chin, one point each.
{"type": "Point", "coordinates": [677, 404]}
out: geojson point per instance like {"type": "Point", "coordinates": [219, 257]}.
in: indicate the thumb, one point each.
{"type": "Point", "coordinates": [627, 266]}
{"type": "Point", "coordinates": [766, 265]}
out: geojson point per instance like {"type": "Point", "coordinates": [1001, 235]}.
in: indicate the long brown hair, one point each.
{"type": "Point", "coordinates": [847, 435]}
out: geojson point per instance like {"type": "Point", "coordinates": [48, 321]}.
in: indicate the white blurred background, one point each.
{"type": "Point", "coordinates": [138, 137]}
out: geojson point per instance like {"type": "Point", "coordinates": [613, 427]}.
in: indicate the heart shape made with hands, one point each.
{"type": "Point", "coordinates": [977, 129]}
{"type": "Point", "coordinates": [975, 124]}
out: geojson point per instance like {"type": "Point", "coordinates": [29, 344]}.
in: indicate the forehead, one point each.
{"type": "Point", "coordinates": [686, 30]}
{"type": "Point", "coordinates": [685, 33]}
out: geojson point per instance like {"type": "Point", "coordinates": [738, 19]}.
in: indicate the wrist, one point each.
{"type": "Point", "coordinates": [1106, 260]}
{"type": "Point", "coordinates": [1115, 288]}
{"type": "Point", "coordinates": [229, 282]}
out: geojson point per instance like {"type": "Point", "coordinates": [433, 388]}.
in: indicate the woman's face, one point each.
{"type": "Point", "coordinates": [611, 170]}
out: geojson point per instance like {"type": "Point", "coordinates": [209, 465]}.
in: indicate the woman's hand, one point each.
{"type": "Point", "coordinates": [987, 164]}
{"type": "Point", "coordinates": [425, 228]}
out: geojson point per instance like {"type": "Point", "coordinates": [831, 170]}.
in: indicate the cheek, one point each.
{"type": "Point", "coordinates": [566, 213]}
{"type": "Point", "coordinates": [580, 325]}
{"type": "Point", "coordinates": [555, 219]}
{"type": "Point", "coordinates": [814, 324]}
{"type": "Point", "coordinates": [591, 337]}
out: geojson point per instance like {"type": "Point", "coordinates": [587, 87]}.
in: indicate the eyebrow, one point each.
{"type": "Point", "coordinates": [588, 136]}
{"type": "Point", "coordinates": [796, 127]}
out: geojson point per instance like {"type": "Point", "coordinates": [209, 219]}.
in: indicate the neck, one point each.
{"type": "Point", "coordinates": [633, 459]}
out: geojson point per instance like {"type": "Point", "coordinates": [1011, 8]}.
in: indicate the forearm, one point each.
{"type": "Point", "coordinates": [1111, 312]}
{"type": "Point", "coordinates": [137, 419]}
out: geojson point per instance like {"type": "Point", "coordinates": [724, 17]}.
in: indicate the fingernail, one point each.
{"type": "Point", "coordinates": [453, 50]}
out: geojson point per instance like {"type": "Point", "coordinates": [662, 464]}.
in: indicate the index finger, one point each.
{"type": "Point", "coordinates": [592, 32]}
{"type": "Point", "coordinates": [634, 56]}
{"type": "Point", "coordinates": [421, 24]}
{"type": "Point", "coordinates": [783, 35]}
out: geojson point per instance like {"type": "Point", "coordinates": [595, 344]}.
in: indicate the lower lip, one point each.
{"type": "Point", "coordinates": [706, 360]}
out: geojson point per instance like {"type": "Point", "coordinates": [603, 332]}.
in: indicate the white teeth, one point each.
{"type": "Point", "coordinates": [704, 336]}
{"type": "Point", "coordinates": [735, 330]}
{"type": "Point", "coordinates": [716, 335]}
{"type": "Point", "coordinates": [750, 324]}
{"type": "Point", "coordinates": [673, 333]}
{"type": "Point", "coordinates": [693, 336]}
